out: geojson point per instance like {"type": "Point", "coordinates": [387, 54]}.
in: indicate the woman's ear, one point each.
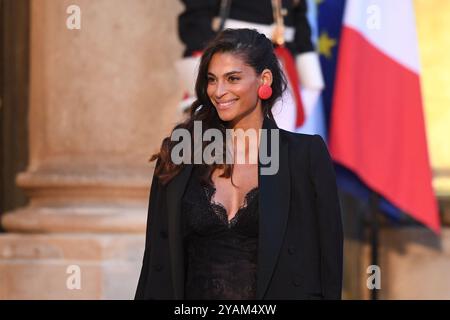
{"type": "Point", "coordinates": [266, 77]}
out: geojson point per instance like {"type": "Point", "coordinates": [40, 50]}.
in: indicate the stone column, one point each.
{"type": "Point", "coordinates": [101, 99]}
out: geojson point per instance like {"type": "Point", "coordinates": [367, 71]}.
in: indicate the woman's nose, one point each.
{"type": "Point", "coordinates": [221, 89]}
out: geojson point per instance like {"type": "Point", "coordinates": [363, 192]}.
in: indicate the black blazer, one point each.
{"type": "Point", "coordinates": [300, 253]}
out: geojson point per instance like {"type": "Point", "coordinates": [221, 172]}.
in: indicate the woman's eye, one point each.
{"type": "Point", "coordinates": [233, 78]}
{"type": "Point", "coordinates": [211, 80]}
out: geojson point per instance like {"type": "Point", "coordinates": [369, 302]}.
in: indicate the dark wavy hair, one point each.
{"type": "Point", "coordinates": [257, 51]}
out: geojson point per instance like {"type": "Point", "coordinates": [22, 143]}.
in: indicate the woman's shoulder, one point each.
{"type": "Point", "coordinates": [309, 145]}
{"type": "Point", "coordinates": [300, 140]}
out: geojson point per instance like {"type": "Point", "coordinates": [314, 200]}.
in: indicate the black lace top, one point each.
{"type": "Point", "coordinates": [220, 255]}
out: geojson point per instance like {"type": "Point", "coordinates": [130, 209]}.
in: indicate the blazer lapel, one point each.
{"type": "Point", "coordinates": [274, 198]}
{"type": "Point", "coordinates": [175, 190]}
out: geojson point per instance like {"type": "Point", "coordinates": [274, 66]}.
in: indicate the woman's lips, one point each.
{"type": "Point", "coordinates": [225, 104]}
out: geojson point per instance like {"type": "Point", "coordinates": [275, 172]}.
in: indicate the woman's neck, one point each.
{"type": "Point", "coordinates": [247, 148]}
{"type": "Point", "coordinates": [252, 120]}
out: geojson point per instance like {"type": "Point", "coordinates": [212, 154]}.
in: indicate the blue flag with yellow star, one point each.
{"type": "Point", "coordinates": [330, 15]}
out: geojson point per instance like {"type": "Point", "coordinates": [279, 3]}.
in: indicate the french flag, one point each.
{"type": "Point", "coordinates": [377, 128]}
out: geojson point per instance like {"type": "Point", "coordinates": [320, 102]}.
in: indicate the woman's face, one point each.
{"type": "Point", "coordinates": [233, 87]}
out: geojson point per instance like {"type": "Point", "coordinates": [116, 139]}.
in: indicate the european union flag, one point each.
{"type": "Point", "coordinates": [330, 15]}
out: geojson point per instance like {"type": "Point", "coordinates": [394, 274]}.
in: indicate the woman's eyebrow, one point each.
{"type": "Point", "coordinates": [226, 74]}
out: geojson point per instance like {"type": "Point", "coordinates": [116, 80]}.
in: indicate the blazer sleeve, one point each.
{"type": "Point", "coordinates": [152, 208]}
{"type": "Point", "coordinates": [329, 218]}
{"type": "Point", "coordinates": [195, 24]}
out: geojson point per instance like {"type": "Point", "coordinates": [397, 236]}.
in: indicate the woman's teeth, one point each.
{"type": "Point", "coordinates": [225, 104]}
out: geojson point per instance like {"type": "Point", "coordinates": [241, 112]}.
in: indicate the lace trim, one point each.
{"type": "Point", "coordinates": [220, 210]}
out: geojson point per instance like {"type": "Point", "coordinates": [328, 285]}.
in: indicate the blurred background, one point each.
{"type": "Point", "coordinates": [90, 87]}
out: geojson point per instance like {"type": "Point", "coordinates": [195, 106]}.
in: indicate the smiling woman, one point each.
{"type": "Point", "coordinates": [235, 230]}
{"type": "Point", "coordinates": [233, 69]}
{"type": "Point", "coordinates": [233, 87]}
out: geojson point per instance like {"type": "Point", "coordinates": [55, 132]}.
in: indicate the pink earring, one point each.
{"type": "Point", "coordinates": [264, 92]}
